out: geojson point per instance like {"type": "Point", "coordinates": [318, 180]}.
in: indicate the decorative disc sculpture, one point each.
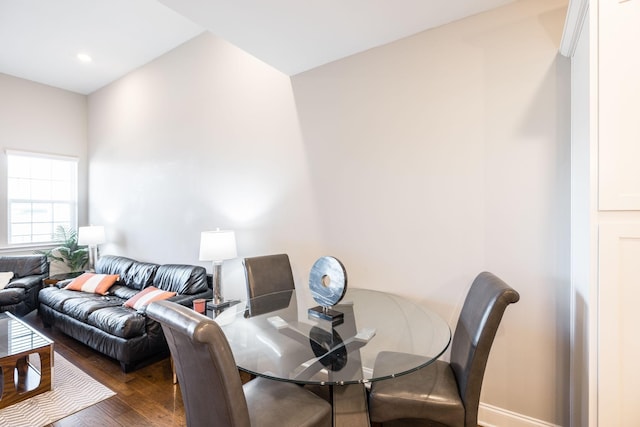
{"type": "Point", "coordinates": [328, 284]}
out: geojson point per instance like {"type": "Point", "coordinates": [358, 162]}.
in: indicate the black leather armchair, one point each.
{"type": "Point", "coordinates": [20, 296]}
{"type": "Point", "coordinates": [447, 394]}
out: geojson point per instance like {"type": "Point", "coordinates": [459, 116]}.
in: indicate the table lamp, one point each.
{"type": "Point", "coordinates": [217, 246]}
{"type": "Point", "coordinates": [91, 236]}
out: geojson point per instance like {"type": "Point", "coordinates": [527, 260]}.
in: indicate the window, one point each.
{"type": "Point", "coordinates": [42, 194]}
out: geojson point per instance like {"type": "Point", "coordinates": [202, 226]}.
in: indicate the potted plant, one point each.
{"type": "Point", "coordinates": [68, 252]}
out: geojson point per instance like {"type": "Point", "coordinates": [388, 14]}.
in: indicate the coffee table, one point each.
{"type": "Point", "coordinates": [23, 375]}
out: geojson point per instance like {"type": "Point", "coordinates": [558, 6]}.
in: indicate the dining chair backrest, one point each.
{"type": "Point", "coordinates": [211, 387]}
{"type": "Point", "coordinates": [477, 325]}
{"type": "Point", "coordinates": [268, 274]}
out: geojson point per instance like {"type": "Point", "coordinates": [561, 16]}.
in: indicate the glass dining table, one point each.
{"type": "Point", "coordinates": [276, 336]}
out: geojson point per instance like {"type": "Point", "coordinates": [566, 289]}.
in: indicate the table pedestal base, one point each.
{"type": "Point", "coordinates": [349, 404]}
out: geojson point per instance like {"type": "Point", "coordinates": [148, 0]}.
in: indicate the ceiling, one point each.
{"type": "Point", "coordinates": [39, 39]}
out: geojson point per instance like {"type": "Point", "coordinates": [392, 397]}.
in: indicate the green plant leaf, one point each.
{"type": "Point", "coordinates": [75, 257]}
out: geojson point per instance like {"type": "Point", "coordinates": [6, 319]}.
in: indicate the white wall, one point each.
{"type": "Point", "coordinates": [39, 118]}
{"type": "Point", "coordinates": [206, 136]}
{"type": "Point", "coordinates": [445, 154]}
{"type": "Point", "coordinates": [583, 208]}
{"type": "Point", "coordinates": [418, 164]}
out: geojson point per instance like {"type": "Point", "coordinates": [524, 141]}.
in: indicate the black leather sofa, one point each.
{"type": "Point", "coordinates": [105, 324]}
{"type": "Point", "coordinates": [20, 296]}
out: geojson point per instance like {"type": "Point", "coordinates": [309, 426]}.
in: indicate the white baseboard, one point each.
{"type": "Point", "coordinates": [492, 416]}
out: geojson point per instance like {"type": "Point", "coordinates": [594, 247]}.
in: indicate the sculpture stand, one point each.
{"type": "Point", "coordinates": [326, 313]}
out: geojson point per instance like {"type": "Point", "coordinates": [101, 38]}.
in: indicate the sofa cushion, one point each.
{"type": "Point", "coordinates": [92, 282]}
{"type": "Point", "coordinates": [81, 308]}
{"type": "Point", "coordinates": [119, 321]}
{"type": "Point", "coordinates": [122, 291]}
{"type": "Point", "coordinates": [147, 296]}
{"type": "Point", "coordinates": [25, 265]}
{"type": "Point", "coordinates": [182, 279]}
{"type": "Point", "coordinates": [96, 310]}
{"type": "Point", "coordinates": [113, 264]}
{"type": "Point", "coordinates": [140, 275]}
{"type": "Point", "coordinates": [55, 298]}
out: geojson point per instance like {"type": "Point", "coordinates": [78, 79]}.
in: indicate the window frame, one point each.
{"type": "Point", "coordinates": [72, 203]}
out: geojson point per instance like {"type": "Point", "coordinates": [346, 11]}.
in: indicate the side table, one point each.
{"type": "Point", "coordinates": [213, 310]}
{"type": "Point", "coordinates": [52, 280]}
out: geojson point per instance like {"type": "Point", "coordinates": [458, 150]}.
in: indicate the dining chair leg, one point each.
{"type": "Point", "coordinates": [174, 376]}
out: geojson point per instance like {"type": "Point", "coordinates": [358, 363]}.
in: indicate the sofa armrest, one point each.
{"type": "Point", "coordinates": [27, 282]}
{"type": "Point", "coordinates": [11, 296]}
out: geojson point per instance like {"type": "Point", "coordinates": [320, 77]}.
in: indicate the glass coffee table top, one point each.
{"type": "Point", "coordinates": [16, 337]}
{"type": "Point", "coordinates": [274, 336]}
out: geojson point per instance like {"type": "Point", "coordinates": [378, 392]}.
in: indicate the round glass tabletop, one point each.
{"type": "Point", "coordinates": [376, 335]}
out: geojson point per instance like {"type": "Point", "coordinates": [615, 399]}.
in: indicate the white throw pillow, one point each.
{"type": "Point", "coordinates": [4, 278]}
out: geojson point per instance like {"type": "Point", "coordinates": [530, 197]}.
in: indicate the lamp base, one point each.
{"type": "Point", "coordinates": [93, 257]}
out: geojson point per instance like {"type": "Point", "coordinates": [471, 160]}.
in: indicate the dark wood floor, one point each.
{"type": "Point", "coordinates": [144, 397]}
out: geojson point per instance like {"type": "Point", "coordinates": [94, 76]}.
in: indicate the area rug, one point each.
{"type": "Point", "coordinates": [73, 390]}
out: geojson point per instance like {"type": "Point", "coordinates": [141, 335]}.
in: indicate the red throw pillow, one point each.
{"type": "Point", "coordinates": [92, 282]}
{"type": "Point", "coordinates": [147, 296]}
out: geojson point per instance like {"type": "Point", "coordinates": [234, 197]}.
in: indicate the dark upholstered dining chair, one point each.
{"type": "Point", "coordinates": [267, 274]}
{"type": "Point", "coordinates": [447, 394]}
{"type": "Point", "coordinates": [212, 392]}
{"type": "Point", "coordinates": [267, 277]}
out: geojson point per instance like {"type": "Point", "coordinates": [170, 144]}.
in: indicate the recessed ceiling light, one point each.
{"type": "Point", "coordinates": [83, 57]}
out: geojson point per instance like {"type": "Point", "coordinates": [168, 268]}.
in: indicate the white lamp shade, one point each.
{"type": "Point", "coordinates": [91, 236]}
{"type": "Point", "coordinates": [217, 245]}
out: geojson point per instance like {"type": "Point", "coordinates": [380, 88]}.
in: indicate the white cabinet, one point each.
{"type": "Point", "coordinates": [619, 104]}
{"type": "Point", "coordinates": [602, 38]}
{"type": "Point", "coordinates": [618, 343]}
